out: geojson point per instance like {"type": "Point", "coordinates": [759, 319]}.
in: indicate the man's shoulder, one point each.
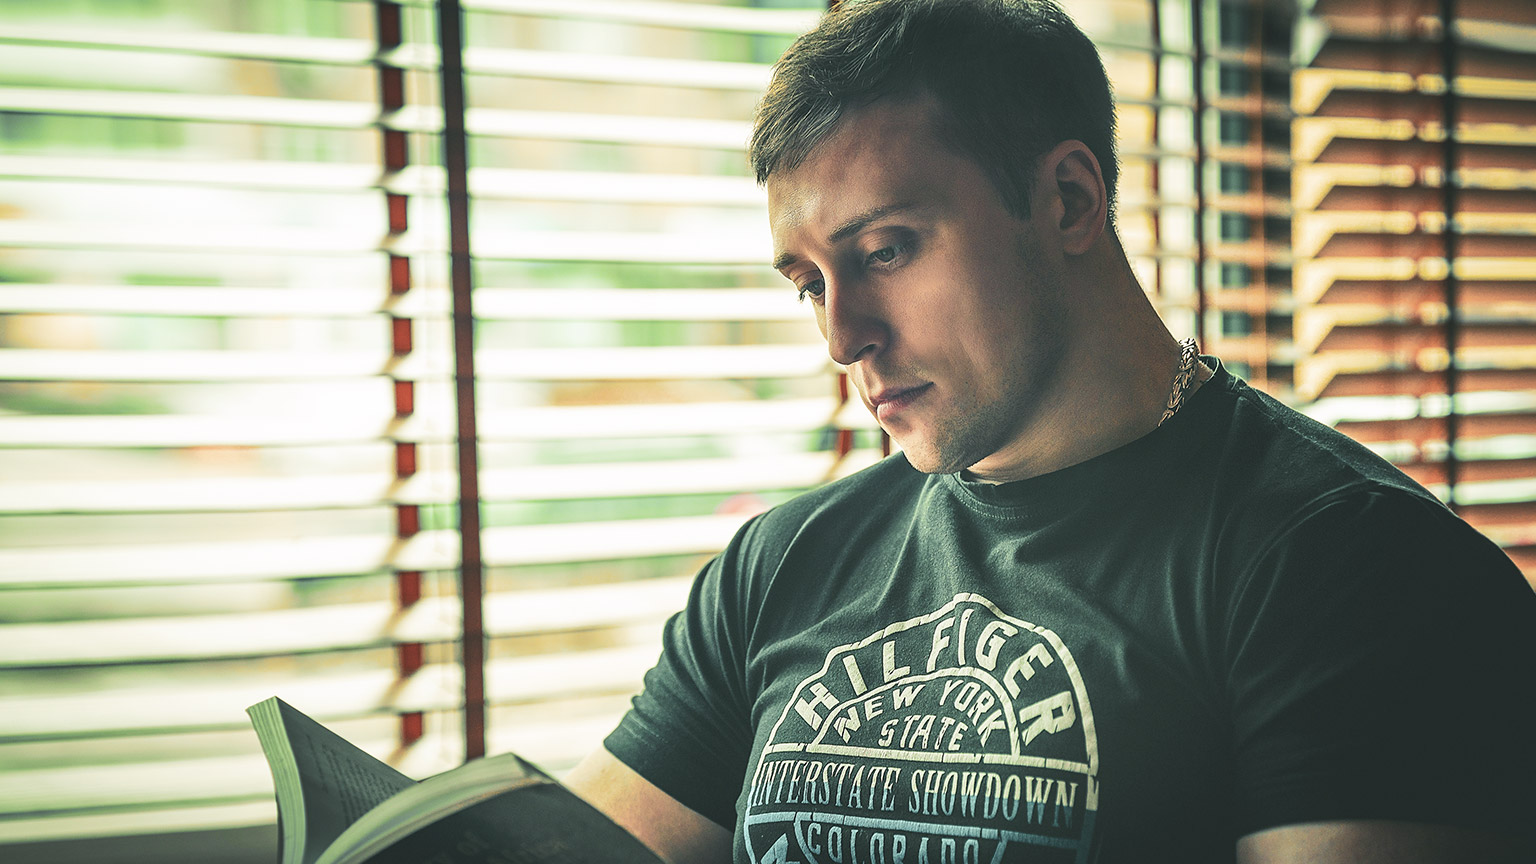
{"type": "Point", "coordinates": [1267, 476]}
{"type": "Point", "coordinates": [1284, 485]}
{"type": "Point", "coordinates": [1275, 454]}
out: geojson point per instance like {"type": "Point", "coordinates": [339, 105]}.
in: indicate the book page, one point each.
{"type": "Point", "coordinates": [536, 821]}
{"type": "Point", "coordinates": [340, 782]}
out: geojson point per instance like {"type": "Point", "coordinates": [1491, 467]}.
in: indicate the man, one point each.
{"type": "Point", "coordinates": [1109, 603]}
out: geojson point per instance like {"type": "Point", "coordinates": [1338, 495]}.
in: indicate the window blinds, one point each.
{"type": "Point", "coordinates": [225, 396]}
{"type": "Point", "coordinates": [1417, 226]}
{"type": "Point", "coordinates": [226, 413]}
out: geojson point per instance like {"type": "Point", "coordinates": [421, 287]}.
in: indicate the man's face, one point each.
{"type": "Point", "coordinates": [940, 303]}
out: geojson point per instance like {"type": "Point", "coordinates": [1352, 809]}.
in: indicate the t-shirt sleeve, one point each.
{"type": "Point", "coordinates": [1382, 660]}
{"type": "Point", "coordinates": [687, 731]}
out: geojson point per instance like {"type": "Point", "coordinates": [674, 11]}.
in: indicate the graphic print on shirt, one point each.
{"type": "Point", "coordinates": [963, 736]}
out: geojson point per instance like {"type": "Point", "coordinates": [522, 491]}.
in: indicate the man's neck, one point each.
{"type": "Point", "coordinates": [1111, 388]}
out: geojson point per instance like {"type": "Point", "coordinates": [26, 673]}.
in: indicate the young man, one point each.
{"type": "Point", "coordinates": [1109, 603]}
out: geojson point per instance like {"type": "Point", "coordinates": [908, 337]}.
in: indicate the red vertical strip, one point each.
{"type": "Point", "coordinates": [399, 274]}
{"type": "Point", "coordinates": [471, 567]}
{"type": "Point", "coordinates": [408, 656]}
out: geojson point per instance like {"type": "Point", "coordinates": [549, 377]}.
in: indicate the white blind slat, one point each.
{"type": "Point", "coordinates": [288, 631]}
{"type": "Point", "coordinates": [297, 558]}
{"type": "Point", "coordinates": [659, 13]}
{"type": "Point", "coordinates": [521, 424]}
{"type": "Point", "coordinates": [550, 482]}
{"type": "Point", "coordinates": [313, 113]}
{"type": "Point", "coordinates": [690, 361]}
{"type": "Point", "coordinates": [510, 304]}
{"type": "Point", "coordinates": [602, 68]}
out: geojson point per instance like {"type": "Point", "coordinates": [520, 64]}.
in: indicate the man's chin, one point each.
{"type": "Point", "coordinates": [928, 459]}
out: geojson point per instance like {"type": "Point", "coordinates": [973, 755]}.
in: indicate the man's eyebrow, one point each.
{"type": "Point", "coordinates": [861, 221]}
{"type": "Point", "coordinates": [848, 228]}
{"type": "Point", "coordinates": [784, 259]}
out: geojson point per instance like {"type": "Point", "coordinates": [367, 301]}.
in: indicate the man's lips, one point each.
{"type": "Point", "coordinates": [891, 400]}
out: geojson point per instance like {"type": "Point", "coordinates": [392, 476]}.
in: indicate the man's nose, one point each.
{"type": "Point", "coordinates": [852, 322]}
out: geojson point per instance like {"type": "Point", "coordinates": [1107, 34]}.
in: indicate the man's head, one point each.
{"type": "Point", "coordinates": [939, 186]}
{"type": "Point", "coordinates": [1011, 79]}
{"type": "Point", "coordinates": [951, 315]}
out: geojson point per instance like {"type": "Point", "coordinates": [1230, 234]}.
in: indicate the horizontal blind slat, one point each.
{"type": "Point", "coordinates": [1326, 377]}
{"type": "Point", "coordinates": [606, 68]}
{"type": "Point", "coordinates": [565, 65]}
{"type": "Point", "coordinates": [491, 303]}
{"type": "Point", "coordinates": [223, 108]}
{"type": "Point", "coordinates": [222, 302]}
{"type": "Point", "coordinates": [675, 362]}
{"type": "Point", "coordinates": [1422, 430]}
{"type": "Point", "coordinates": [246, 46]}
{"type": "Point", "coordinates": [336, 114]}
{"type": "Point", "coordinates": [331, 628]}
{"type": "Point", "coordinates": [1393, 336]}
{"type": "Point", "coordinates": [563, 246]}
{"type": "Point", "coordinates": [247, 173]}
{"type": "Point", "coordinates": [490, 183]}
{"type": "Point", "coordinates": [658, 13]}
{"type": "Point", "coordinates": [110, 824]}
{"type": "Point", "coordinates": [550, 364]}
{"type": "Point", "coordinates": [318, 491]}
{"type": "Point", "coordinates": [326, 696]}
{"type": "Point", "coordinates": [521, 424]}
{"type": "Point", "coordinates": [298, 558]}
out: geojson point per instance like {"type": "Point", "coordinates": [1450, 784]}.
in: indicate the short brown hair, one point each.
{"type": "Point", "coordinates": [1013, 78]}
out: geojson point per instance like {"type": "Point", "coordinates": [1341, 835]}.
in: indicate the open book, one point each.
{"type": "Point", "coordinates": [338, 805]}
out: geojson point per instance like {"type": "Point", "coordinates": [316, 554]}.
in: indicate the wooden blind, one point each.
{"type": "Point", "coordinates": [1417, 230]}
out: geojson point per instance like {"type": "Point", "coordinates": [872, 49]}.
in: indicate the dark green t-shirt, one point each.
{"type": "Point", "coordinates": [1238, 621]}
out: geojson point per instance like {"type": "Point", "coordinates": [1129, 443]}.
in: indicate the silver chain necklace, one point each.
{"type": "Point", "coordinates": [1183, 379]}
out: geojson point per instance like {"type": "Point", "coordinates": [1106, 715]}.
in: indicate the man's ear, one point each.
{"type": "Point", "coordinates": [1075, 200]}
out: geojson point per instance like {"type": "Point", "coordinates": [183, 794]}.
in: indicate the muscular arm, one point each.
{"type": "Point", "coordinates": [671, 830]}
{"type": "Point", "coordinates": [1375, 842]}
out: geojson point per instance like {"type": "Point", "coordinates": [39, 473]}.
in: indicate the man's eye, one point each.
{"type": "Point", "coordinates": [885, 255]}
{"type": "Point", "coordinates": [813, 288]}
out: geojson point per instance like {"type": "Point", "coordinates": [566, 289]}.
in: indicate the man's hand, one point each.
{"type": "Point", "coordinates": [671, 830]}
{"type": "Point", "coordinates": [1375, 842]}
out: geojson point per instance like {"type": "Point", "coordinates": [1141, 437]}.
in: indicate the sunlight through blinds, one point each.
{"type": "Point", "coordinates": [1416, 318]}
{"type": "Point", "coordinates": [226, 419]}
